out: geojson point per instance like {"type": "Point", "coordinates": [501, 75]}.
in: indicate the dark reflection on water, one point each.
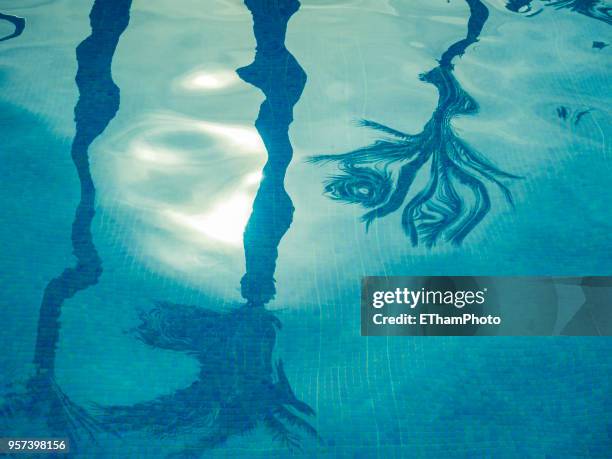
{"type": "Point", "coordinates": [18, 23]}
{"type": "Point", "coordinates": [98, 102]}
{"type": "Point", "coordinates": [595, 9]}
{"type": "Point", "coordinates": [521, 6]}
{"type": "Point", "coordinates": [240, 386]}
{"type": "Point", "coordinates": [456, 197]}
{"type": "Point", "coordinates": [276, 72]}
{"type": "Point", "coordinates": [574, 116]}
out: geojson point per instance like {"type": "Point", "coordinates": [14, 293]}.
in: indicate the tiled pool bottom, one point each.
{"type": "Point", "coordinates": [436, 397]}
{"type": "Point", "coordinates": [191, 223]}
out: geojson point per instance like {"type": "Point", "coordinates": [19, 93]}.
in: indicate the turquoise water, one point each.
{"type": "Point", "coordinates": [485, 152]}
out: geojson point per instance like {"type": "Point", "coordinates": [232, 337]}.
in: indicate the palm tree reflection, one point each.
{"type": "Point", "coordinates": [97, 105]}
{"type": "Point", "coordinates": [595, 9]}
{"type": "Point", "coordinates": [240, 386]}
{"type": "Point", "coordinates": [18, 24]}
{"type": "Point", "coordinates": [455, 198]}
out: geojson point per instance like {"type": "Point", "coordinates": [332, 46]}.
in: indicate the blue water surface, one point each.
{"type": "Point", "coordinates": [192, 192]}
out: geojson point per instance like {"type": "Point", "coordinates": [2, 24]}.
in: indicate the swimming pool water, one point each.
{"type": "Point", "coordinates": [192, 192]}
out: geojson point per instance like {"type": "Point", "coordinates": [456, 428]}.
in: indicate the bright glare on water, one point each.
{"type": "Point", "coordinates": [180, 179]}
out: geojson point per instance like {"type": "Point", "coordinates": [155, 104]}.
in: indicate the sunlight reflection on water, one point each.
{"type": "Point", "coordinates": [193, 180]}
{"type": "Point", "coordinates": [225, 222]}
{"type": "Point", "coordinates": [205, 80]}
